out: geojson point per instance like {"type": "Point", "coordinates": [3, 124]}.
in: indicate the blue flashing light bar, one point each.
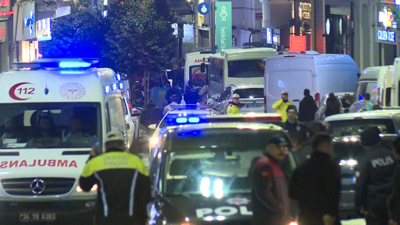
{"type": "Point", "coordinates": [114, 87]}
{"type": "Point", "coordinates": [181, 120]}
{"type": "Point", "coordinates": [74, 64]}
{"type": "Point", "coordinates": [194, 119]}
{"type": "Point", "coordinates": [121, 86]}
{"type": "Point", "coordinates": [108, 89]}
{"type": "Point", "coordinates": [118, 76]}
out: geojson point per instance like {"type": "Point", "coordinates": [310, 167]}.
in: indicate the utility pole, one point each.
{"type": "Point", "coordinates": [212, 27]}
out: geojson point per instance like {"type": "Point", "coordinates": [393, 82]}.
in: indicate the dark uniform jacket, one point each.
{"type": "Point", "coordinates": [271, 203]}
{"type": "Point", "coordinates": [374, 183]}
{"type": "Point", "coordinates": [123, 188]}
{"type": "Point", "coordinates": [307, 109]}
{"type": "Point", "coordinates": [394, 200]}
{"type": "Point", "coordinates": [315, 185]}
{"type": "Point", "coordinates": [298, 128]}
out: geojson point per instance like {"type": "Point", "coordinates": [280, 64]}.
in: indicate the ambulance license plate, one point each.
{"type": "Point", "coordinates": [37, 217]}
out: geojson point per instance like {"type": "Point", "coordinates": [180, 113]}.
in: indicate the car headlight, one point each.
{"type": "Point", "coordinates": [153, 141]}
{"type": "Point", "coordinates": [79, 189]}
{"type": "Point", "coordinates": [350, 162]}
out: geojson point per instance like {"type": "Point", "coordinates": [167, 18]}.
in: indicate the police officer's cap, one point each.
{"type": "Point", "coordinates": [370, 136]}
{"type": "Point", "coordinates": [278, 140]}
{"type": "Point", "coordinates": [237, 96]}
{"type": "Point", "coordinates": [285, 92]}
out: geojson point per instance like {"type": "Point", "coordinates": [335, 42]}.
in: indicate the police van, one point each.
{"type": "Point", "coordinates": [201, 173]}
{"type": "Point", "coordinates": [49, 110]}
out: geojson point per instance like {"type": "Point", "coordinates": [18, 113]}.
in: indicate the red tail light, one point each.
{"type": "Point", "coordinates": [265, 103]}
{"type": "Point", "coordinates": [303, 52]}
{"type": "Point", "coordinates": [129, 106]}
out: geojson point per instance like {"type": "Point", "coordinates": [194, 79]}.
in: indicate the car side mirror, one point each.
{"type": "Point", "coordinates": [203, 67]}
{"type": "Point", "coordinates": [152, 126]}
{"type": "Point", "coordinates": [136, 112]}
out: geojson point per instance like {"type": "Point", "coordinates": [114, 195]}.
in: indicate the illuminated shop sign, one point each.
{"type": "Point", "coordinates": [386, 35]}
{"type": "Point", "coordinates": [43, 32]}
{"type": "Point", "coordinates": [386, 17]}
{"type": "Point", "coordinates": [304, 11]}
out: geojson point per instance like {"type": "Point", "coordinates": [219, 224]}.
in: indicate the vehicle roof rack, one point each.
{"type": "Point", "coordinates": [58, 63]}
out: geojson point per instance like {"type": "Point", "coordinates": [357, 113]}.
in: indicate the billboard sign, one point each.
{"type": "Point", "coordinates": [223, 22]}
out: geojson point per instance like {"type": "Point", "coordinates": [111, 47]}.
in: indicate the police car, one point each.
{"type": "Point", "coordinates": [346, 130]}
{"type": "Point", "coordinates": [170, 119]}
{"type": "Point", "coordinates": [270, 118]}
{"type": "Point", "coordinates": [201, 172]}
{"type": "Point", "coordinates": [51, 109]}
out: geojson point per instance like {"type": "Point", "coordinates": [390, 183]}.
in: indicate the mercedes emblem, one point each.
{"type": "Point", "coordinates": [37, 186]}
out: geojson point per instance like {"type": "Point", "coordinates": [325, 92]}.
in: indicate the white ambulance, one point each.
{"type": "Point", "coordinates": [193, 61]}
{"type": "Point", "coordinates": [49, 110]}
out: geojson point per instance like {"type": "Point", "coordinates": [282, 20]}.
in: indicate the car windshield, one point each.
{"type": "Point", "coordinates": [355, 127]}
{"type": "Point", "coordinates": [246, 68]}
{"type": "Point", "coordinates": [49, 125]}
{"type": "Point", "coordinates": [250, 92]}
{"type": "Point", "coordinates": [216, 162]}
{"type": "Point", "coordinates": [196, 76]}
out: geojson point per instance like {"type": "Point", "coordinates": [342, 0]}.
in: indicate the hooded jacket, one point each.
{"type": "Point", "coordinates": [307, 109]}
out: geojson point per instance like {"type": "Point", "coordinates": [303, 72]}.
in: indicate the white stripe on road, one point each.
{"type": "Point", "coordinates": [103, 194]}
{"type": "Point", "coordinates": [132, 194]}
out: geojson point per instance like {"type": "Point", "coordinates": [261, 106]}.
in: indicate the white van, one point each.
{"type": "Point", "coordinates": [385, 83]}
{"type": "Point", "coordinates": [241, 66]}
{"type": "Point", "coordinates": [396, 83]}
{"type": "Point", "coordinates": [371, 81]}
{"type": "Point", "coordinates": [193, 63]}
{"type": "Point", "coordinates": [321, 73]}
{"type": "Point", "coordinates": [49, 110]}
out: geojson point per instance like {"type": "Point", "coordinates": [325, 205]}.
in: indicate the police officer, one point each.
{"type": "Point", "coordinates": [374, 179]}
{"type": "Point", "coordinates": [292, 125]}
{"type": "Point", "coordinates": [233, 107]}
{"type": "Point", "coordinates": [123, 184]}
{"type": "Point", "coordinates": [394, 200]}
{"type": "Point", "coordinates": [282, 104]}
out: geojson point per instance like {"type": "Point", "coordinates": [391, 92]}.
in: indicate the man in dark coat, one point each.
{"type": "Point", "coordinates": [307, 108]}
{"type": "Point", "coordinates": [304, 153]}
{"type": "Point", "coordinates": [315, 185]}
{"type": "Point", "coordinates": [374, 180]}
{"type": "Point", "coordinates": [271, 203]}
{"type": "Point", "coordinates": [173, 91]}
{"type": "Point", "coordinates": [332, 106]}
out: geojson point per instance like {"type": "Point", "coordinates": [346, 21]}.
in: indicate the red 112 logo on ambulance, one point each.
{"type": "Point", "coordinates": [22, 91]}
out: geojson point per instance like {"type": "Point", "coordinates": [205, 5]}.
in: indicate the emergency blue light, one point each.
{"type": "Point", "coordinates": [194, 119]}
{"type": "Point", "coordinates": [121, 86]}
{"type": "Point", "coordinates": [107, 89]}
{"type": "Point", "coordinates": [118, 76]}
{"type": "Point", "coordinates": [114, 87]}
{"type": "Point", "coordinates": [74, 64]}
{"type": "Point", "coordinates": [181, 120]}
{"type": "Point", "coordinates": [361, 97]}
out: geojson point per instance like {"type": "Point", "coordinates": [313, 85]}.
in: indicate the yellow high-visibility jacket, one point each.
{"type": "Point", "coordinates": [232, 109]}
{"type": "Point", "coordinates": [280, 106]}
